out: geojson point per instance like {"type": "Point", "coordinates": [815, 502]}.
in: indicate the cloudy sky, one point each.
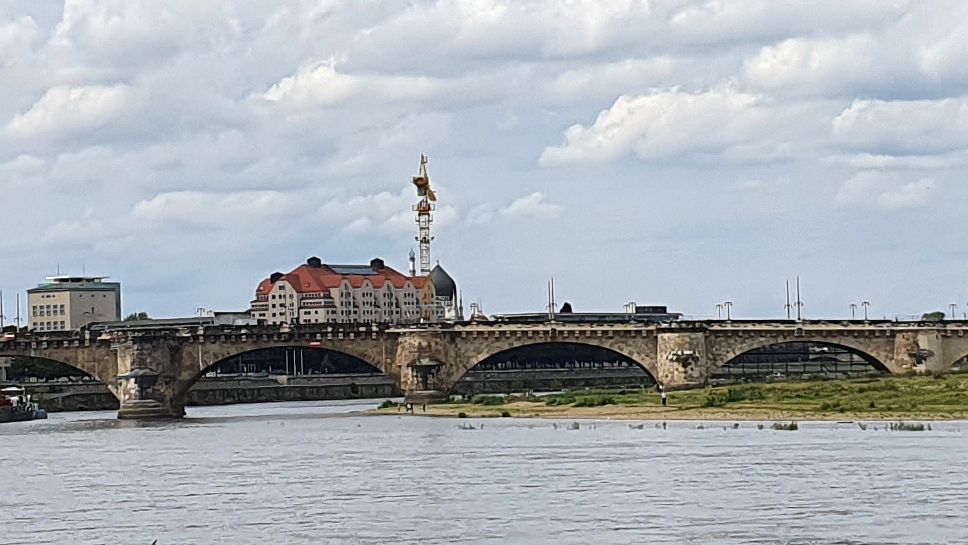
{"type": "Point", "coordinates": [668, 151]}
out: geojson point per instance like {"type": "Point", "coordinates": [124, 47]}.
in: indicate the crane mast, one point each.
{"type": "Point", "coordinates": [424, 208]}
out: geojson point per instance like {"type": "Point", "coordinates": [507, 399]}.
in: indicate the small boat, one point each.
{"type": "Point", "coordinates": [16, 406]}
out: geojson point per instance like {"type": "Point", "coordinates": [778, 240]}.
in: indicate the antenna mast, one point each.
{"type": "Point", "coordinates": [424, 209]}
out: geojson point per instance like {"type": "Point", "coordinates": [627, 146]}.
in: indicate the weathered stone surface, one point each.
{"type": "Point", "coordinates": [676, 354]}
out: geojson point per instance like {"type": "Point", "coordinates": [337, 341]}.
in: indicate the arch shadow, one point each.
{"type": "Point", "coordinates": [61, 386]}
{"type": "Point", "coordinates": [276, 361]}
{"type": "Point", "coordinates": [959, 365]}
{"type": "Point", "coordinates": [799, 358]}
{"type": "Point", "coordinates": [575, 364]}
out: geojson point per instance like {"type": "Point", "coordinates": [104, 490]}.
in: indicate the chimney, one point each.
{"type": "Point", "coordinates": [314, 262]}
{"type": "Point", "coordinates": [376, 264]}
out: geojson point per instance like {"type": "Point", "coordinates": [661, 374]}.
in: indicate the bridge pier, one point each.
{"type": "Point", "coordinates": [148, 368]}
{"type": "Point", "coordinates": [681, 360]}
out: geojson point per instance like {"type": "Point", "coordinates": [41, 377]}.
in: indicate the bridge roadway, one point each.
{"type": "Point", "coordinates": [150, 368]}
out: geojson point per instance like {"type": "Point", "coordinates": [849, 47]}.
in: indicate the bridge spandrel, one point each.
{"type": "Point", "coordinates": [461, 349]}
{"type": "Point", "coordinates": [155, 366]}
{"type": "Point", "coordinates": [89, 354]}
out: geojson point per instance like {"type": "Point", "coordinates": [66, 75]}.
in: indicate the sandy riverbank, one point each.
{"type": "Point", "coordinates": [892, 398]}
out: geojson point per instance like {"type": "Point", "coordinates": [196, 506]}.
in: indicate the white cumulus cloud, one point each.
{"type": "Point", "coordinates": [662, 124]}
{"type": "Point", "coordinates": [64, 110]}
{"type": "Point", "coordinates": [889, 191]}
{"type": "Point", "coordinates": [911, 127]}
{"type": "Point", "coordinates": [209, 209]}
{"type": "Point", "coordinates": [535, 205]}
{"type": "Point", "coordinates": [320, 84]}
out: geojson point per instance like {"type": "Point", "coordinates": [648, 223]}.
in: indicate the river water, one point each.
{"type": "Point", "coordinates": [318, 472]}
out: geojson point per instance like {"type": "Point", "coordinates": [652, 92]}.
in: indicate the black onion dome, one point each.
{"type": "Point", "coordinates": [444, 285]}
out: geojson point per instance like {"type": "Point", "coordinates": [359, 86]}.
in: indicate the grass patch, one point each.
{"type": "Point", "coordinates": [489, 401]}
{"type": "Point", "coordinates": [595, 401]}
{"type": "Point", "coordinates": [888, 398]}
{"type": "Point", "coordinates": [559, 399]}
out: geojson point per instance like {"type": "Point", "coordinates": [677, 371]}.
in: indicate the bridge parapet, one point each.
{"type": "Point", "coordinates": [151, 368]}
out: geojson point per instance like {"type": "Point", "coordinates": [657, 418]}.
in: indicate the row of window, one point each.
{"type": "Point", "coordinates": [50, 326]}
{"type": "Point", "coordinates": [347, 295]}
{"type": "Point", "coordinates": [47, 310]}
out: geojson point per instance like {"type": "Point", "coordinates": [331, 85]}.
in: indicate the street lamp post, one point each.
{"type": "Point", "coordinates": [729, 306]}
{"type": "Point", "coordinates": [853, 310]}
{"type": "Point", "coordinates": [719, 311]}
{"type": "Point", "coordinates": [954, 312]}
{"type": "Point", "coordinates": [865, 304]}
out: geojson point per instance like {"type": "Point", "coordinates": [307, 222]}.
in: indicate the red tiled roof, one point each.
{"type": "Point", "coordinates": [307, 279]}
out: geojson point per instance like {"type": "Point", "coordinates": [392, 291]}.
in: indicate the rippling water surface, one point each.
{"type": "Point", "coordinates": [311, 473]}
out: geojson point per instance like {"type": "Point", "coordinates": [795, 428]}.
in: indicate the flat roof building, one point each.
{"type": "Point", "coordinates": [69, 302]}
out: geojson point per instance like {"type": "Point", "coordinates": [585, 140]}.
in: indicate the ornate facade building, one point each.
{"type": "Point", "coordinates": [316, 292]}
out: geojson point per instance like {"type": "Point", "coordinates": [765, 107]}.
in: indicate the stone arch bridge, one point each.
{"type": "Point", "coordinates": [150, 368]}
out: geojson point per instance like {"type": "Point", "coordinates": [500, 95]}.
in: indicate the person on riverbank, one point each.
{"type": "Point", "coordinates": [662, 394]}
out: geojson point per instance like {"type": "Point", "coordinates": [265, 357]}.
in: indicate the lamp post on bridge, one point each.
{"type": "Point", "coordinates": [865, 304]}
{"type": "Point", "coordinates": [853, 311]}
{"type": "Point", "coordinates": [954, 312]}
{"type": "Point", "coordinates": [728, 305]}
{"type": "Point", "coordinates": [719, 311]}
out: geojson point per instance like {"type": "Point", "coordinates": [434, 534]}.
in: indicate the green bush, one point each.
{"type": "Point", "coordinates": [489, 400]}
{"type": "Point", "coordinates": [720, 397]}
{"type": "Point", "coordinates": [831, 405]}
{"type": "Point", "coordinates": [595, 401]}
{"type": "Point", "coordinates": [461, 415]}
{"type": "Point", "coordinates": [557, 400]}
{"type": "Point", "coordinates": [388, 404]}
{"type": "Point", "coordinates": [505, 414]}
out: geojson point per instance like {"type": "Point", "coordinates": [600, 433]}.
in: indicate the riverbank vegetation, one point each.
{"type": "Point", "coordinates": [923, 397]}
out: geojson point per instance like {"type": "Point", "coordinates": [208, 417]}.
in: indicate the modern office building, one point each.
{"type": "Point", "coordinates": [69, 302]}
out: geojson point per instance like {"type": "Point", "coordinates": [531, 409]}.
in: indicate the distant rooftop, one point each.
{"type": "Point", "coordinates": [75, 279]}
{"type": "Point", "coordinates": [84, 281]}
{"type": "Point", "coordinates": [353, 269]}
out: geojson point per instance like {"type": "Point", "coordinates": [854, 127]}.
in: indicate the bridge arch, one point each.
{"type": "Point", "coordinates": [486, 353]}
{"type": "Point", "coordinates": [197, 363]}
{"type": "Point", "coordinates": [99, 363]}
{"type": "Point", "coordinates": [732, 354]}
